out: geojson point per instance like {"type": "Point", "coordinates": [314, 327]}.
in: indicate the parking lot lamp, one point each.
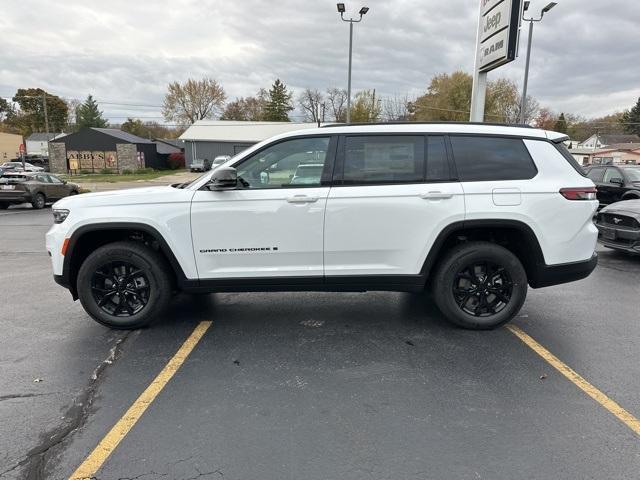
{"type": "Point", "coordinates": [341, 11]}
{"type": "Point", "coordinates": [531, 20]}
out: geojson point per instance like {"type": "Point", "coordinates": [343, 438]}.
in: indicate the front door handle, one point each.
{"type": "Point", "coordinates": [302, 199]}
{"type": "Point", "coordinates": [436, 195]}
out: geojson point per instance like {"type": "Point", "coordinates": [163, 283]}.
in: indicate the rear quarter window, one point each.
{"type": "Point", "coordinates": [564, 151]}
{"type": "Point", "coordinates": [485, 158]}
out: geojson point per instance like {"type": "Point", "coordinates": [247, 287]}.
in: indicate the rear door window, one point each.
{"type": "Point", "coordinates": [595, 174]}
{"type": "Point", "coordinates": [384, 159]}
{"type": "Point", "coordinates": [482, 158]}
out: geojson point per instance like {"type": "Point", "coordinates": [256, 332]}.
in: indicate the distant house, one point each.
{"type": "Point", "coordinates": [9, 146]}
{"type": "Point", "coordinates": [207, 139]}
{"type": "Point", "coordinates": [38, 143]}
{"type": "Point", "coordinates": [96, 149]}
{"type": "Point", "coordinates": [616, 154]}
{"type": "Point", "coordinates": [598, 140]}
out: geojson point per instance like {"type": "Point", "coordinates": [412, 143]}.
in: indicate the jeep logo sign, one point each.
{"type": "Point", "coordinates": [499, 27]}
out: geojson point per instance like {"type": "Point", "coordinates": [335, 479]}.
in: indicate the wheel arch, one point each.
{"type": "Point", "coordinates": [88, 237]}
{"type": "Point", "coordinates": [515, 235]}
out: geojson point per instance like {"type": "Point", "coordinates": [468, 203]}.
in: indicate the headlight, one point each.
{"type": "Point", "coordinates": [60, 215]}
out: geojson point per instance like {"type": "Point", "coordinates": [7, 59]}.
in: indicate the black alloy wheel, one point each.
{"type": "Point", "coordinates": [120, 288]}
{"type": "Point", "coordinates": [482, 289]}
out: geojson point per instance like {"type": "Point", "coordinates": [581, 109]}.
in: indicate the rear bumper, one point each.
{"type": "Point", "coordinates": [548, 275]}
{"type": "Point", "coordinates": [15, 197]}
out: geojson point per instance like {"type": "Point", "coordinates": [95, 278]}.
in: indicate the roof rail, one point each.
{"type": "Point", "coordinates": [339, 124]}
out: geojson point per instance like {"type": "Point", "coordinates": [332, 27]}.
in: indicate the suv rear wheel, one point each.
{"type": "Point", "coordinates": [124, 285]}
{"type": "Point", "coordinates": [480, 285]}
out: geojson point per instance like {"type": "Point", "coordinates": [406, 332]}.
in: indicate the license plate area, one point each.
{"type": "Point", "coordinates": [608, 234]}
{"type": "Point", "coordinates": [7, 187]}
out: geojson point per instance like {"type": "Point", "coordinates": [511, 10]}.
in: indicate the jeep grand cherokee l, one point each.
{"type": "Point", "coordinates": [476, 213]}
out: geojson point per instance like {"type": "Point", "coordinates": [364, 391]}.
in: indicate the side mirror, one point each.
{"type": "Point", "coordinates": [223, 178]}
{"type": "Point", "coordinates": [617, 181]}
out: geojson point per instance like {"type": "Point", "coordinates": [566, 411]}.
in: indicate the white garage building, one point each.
{"type": "Point", "coordinates": [206, 139]}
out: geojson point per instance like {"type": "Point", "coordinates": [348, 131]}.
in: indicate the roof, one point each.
{"type": "Point", "coordinates": [232, 131]}
{"type": "Point", "coordinates": [236, 131]}
{"type": "Point", "coordinates": [613, 139]}
{"type": "Point", "coordinates": [127, 137]}
{"type": "Point", "coordinates": [174, 142]}
{"type": "Point", "coordinates": [42, 137]}
{"type": "Point", "coordinates": [165, 148]}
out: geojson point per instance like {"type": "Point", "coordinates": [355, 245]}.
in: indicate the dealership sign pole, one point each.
{"type": "Point", "coordinates": [496, 45]}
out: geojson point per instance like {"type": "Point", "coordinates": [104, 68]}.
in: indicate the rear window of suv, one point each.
{"type": "Point", "coordinates": [483, 158]}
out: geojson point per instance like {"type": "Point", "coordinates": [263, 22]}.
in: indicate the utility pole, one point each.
{"type": "Point", "coordinates": [46, 115]}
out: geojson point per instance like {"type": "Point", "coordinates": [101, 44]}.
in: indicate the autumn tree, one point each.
{"type": "Point", "coordinates": [312, 103]}
{"type": "Point", "coordinates": [88, 115]}
{"type": "Point", "coordinates": [337, 104]}
{"type": "Point", "coordinates": [366, 108]}
{"type": "Point", "coordinates": [545, 119]}
{"type": "Point", "coordinates": [278, 103]}
{"type": "Point", "coordinates": [396, 108]}
{"type": "Point", "coordinates": [185, 103]}
{"type": "Point", "coordinates": [247, 108]}
{"type": "Point", "coordinates": [631, 119]}
{"type": "Point", "coordinates": [150, 130]}
{"type": "Point", "coordinates": [31, 115]}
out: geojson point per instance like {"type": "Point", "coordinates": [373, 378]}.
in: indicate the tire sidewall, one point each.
{"type": "Point", "coordinates": [478, 253]}
{"type": "Point", "coordinates": [108, 254]}
{"type": "Point", "coordinates": [36, 201]}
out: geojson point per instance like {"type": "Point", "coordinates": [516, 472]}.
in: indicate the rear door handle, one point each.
{"type": "Point", "coordinates": [302, 199]}
{"type": "Point", "coordinates": [436, 195]}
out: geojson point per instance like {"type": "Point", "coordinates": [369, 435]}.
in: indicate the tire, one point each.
{"type": "Point", "coordinates": [73, 192]}
{"type": "Point", "coordinates": [4, 205]}
{"type": "Point", "coordinates": [132, 301]}
{"type": "Point", "coordinates": [39, 201]}
{"type": "Point", "coordinates": [472, 282]}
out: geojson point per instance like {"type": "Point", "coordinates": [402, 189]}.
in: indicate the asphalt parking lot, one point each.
{"type": "Point", "coordinates": [314, 386]}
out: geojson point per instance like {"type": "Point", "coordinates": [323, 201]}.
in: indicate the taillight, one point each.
{"type": "Point", "coordinates": [583, 193]}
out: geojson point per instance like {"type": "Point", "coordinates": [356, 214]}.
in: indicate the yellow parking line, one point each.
{"type": "Point", "coordinates": [108, 444]}
{"type": "Point", "coordinates": [624, 416]}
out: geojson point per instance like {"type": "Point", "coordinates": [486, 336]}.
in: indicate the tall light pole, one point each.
{"type": "Point", "coordinates": [341, 10]}
{"type": "Point", "coordinates": [531, 20]}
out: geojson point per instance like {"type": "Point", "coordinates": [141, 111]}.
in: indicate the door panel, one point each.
{"type": "Point", "coordinates": [387, 229]}
{"type": "Point", "coordinates": [258, 233]}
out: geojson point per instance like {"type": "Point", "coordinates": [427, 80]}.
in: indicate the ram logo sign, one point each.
{"type": "Point", "coordinates": [499, 28]}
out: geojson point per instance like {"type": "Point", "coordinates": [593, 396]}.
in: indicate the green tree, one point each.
{"type": "Point", "coordinates": [88, 115]}
{"type": "Point", "coordinates": [193, 100]}
{"type": "Point", "coordinates": [631, 119]}
{"type": "Point", "coordinates": [278, 104]}
{"type": "Point", "coordinates": [366, 107]}
{"type": "Point", "coordinates": [561, 124]}
{"type": "Point", "coordinates": [31, 116]}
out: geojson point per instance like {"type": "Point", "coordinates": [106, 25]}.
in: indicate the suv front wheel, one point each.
{"type": "Point", "coordinates": [124, 285]}
{"type": "Point", "coordinates": [480, 285]}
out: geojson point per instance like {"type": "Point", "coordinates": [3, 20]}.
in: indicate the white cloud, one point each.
{"type": "Point", "coordinates": [584, 60]}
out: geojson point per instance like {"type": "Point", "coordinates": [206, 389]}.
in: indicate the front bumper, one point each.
{"type": "Point", "coordinates": [548, 275]}
{"type": "Point", "coordinates": [619, 238]}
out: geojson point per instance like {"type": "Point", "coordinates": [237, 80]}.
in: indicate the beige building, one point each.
{"type": "Point", "coordinates": [9, 146]}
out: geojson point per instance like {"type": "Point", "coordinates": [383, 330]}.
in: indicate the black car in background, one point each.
{"type": "Point", "coordinates": [615, 182]}
{"type": "Point", "coordinates": [36, 188]}
{"type": "Point", "coordinates": [619, 226]}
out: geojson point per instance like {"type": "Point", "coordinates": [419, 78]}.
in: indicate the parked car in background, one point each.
{"type": "Point", "coordinates": [200, 165]}
{"type": "Point", "coordinates": [619, 226]}
{"type": "Point", "coordinates": [17, 166]}
{"type": "Point", "coordinates": [219, 160]}
{"type": "Point", "coordinates": [615, 182]}
{"type": "Point", "coordinates": [36, 188]}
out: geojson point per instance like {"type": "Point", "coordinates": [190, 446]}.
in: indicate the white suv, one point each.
{"type": "Point", "coordinates": [474, 212]}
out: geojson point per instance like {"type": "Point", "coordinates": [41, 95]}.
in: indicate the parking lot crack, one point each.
{"type": "Point", "coordinates": [25, 395]}
{"type": "Point", "coordinates": [35, 461]}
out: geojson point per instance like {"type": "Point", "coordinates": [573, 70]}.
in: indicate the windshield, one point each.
{"type": "Point", "coordinates": [633, 173]}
